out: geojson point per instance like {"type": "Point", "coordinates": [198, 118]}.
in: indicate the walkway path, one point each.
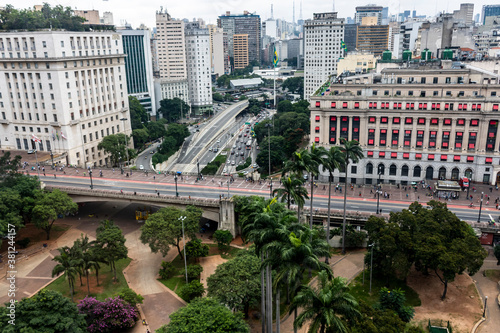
{"type": "Point", "coordinates": [489, 288]}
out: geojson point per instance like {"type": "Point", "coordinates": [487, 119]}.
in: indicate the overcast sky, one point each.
{"type": "Point", "coordinates": [136, 12]}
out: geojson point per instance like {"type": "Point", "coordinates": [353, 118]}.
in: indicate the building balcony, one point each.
{"type": "Point", "coordinates": [54, 124]}
{"type": "Point", "coordinates": [5, 121]}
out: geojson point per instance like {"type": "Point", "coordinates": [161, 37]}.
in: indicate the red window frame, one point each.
{"type": "Point", "coordinates": [394, 155]}
{"type": "Point", "coordinates": [317, 118]}
{"type": "Point", "coordinates": [384, 120]}
{"type": "Point", "coordinates": [381, 154]}
{"type": "Point", "coordinates": [334, 105]}
{"type": "Point", "coordinates": [470, 158]}
{"type": "Point", "coordinates": [495, 107]}
{"type": "Point", "coordinates": [409, 120]}
{"type": "Point", "coordinates": [421, 121]}
{"type": "Point", "coordinates": [356, 105]}
{"type": "Point", "coordinates": [456, 158]}
{"type": "Point", "coordinates": [434, 121]}
{"type": "Point", "coordinates": [430, 157]}
{"type": "Point", "coordinates": [344, 105]}
{"type": "Point", "coordinates": [460, 122]}
{"type": "Point", "coordinates": [317, 104]}
{"type": "Point", "coordinates": [316, 129]}
{"type": "Point", "coordinates": [396, 120]}
{"type": "Point", "coordinates": [489, 160]}
{"type": "Point", "coordinates": [333, 118]}
{"type": "Point", "coordinates": [316, 139]}
{"type": "Point", "coordinates": [418, 156]}
{"type": "Point", "coordinates": [369, 153]}
{"type": "Point", "coordinates": [474, 122]}
{"type": "Point", "coordinates": [406, 155]}
{"type": "Point", "coordinates": [371, 142]}
{"type": "Point", "coordinates": [332, 129]}
{"type": "Point", "coordinates": [447, 121]}
{"type": "Point", "coordinates": [372, 120]}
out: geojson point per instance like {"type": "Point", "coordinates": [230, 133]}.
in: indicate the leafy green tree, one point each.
{"type": "Point", "coordinates": [277, 154]}
{"type": "Point", "coordinates": [47, 311]}
{"type": "Point", "coordinates": [111, 243]}
{"type": "Point", "coordinates": [130, 296]}
{"type": "Point", "coordinates": [140, 136]}
{"type": "Point", "coordinates": [193, 272]}
{"type": "Point", "coordinates": [116, 146]}
{"type": "Point", "coordinates": [179, 132]}
{"type": "Point", "coordinates": [294, 85]}
{"type": "Point", "coordinates": [445, 244]}
{"type": "Point", "coordinates": [235, 283]}
{"type": "Point", "coordinates": [354, 238]}
{"type": "Point", "coordinates": [380, 321]}
{"type": "Point", "coordinates": [204, 315]}
{"type": "Point", "coordinates": [395, 300]}
{"type": "Point", "coordinates": [28, 188]}
{"type": "Point", "coordinates": [196, 249]}
{"type": "Point", "coordinates": [10, 210]}
{"type": "Point", "coordinates": [163, 229]}
{"type": "Point", "coordinates": [223, 239]}
{"type": "Point", "coordinates": [352, 152]}
{"type": "Point", "coordinates": [8, 165]}
{"type": "Point", "coordinates": [138, 114]}
{"type": "Point", "coordinates": [48, 206]}
{"type": "Point", "coordinates": [228, 98]}
{"type": "Point", "coordinates": [329, 306]}
{"type": "Point", "coordinates": [285, 106]}
{"type": "Point", "coordinates": [168, 145]}
{"type": "Point", "coordinates": [68, 265]}
{"type": "Point", "coordinates": [156, 129]}
{"type": "Point", "coordinates": [167, 270]}
{"type": "Point", "coordinates": [496, 252]}
{"type": "Point", "coordinates": [171, 109]}
{"type": "Point", "coordinates": [217, 97]}
{"type": "Point", "coordinates": [192, 290]}
{"type": "Point", "coordinates": [302, 107]}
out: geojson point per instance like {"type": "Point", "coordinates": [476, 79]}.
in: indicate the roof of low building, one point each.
{"type": "Point", "coordinates": [246, 82]}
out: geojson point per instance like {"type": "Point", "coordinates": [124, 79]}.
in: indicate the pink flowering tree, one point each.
{"type": "Point", "coordinates": [111, 315]}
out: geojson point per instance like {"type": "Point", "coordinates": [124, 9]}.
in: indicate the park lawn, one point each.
{"type": "Point", "coordinates": [107, 288]}
{"type": "Point", "coordinates": [492, 274]}
{"type": "Point", "coordinates": [230, 254]}
{"type": "Point", "coordinates": [174, 283]}
{"type": "Point", "coordinates": [361, 292]}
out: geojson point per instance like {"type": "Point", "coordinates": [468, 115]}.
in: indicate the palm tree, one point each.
{"type": "Point", "coordinates": [328, 306]}
{"type": "Point", "coordinates": [290, 258]}
{"type": "Point", "coordinates": [66, 265]}
{"type": "Point", "coordinates": [351, 151]}
{"type": "Point", "coordinates": [309, 162]}
{"type": "Point", "coordinates": [292, 190]}
{"type": "Point", "coordinates": [332, 161]}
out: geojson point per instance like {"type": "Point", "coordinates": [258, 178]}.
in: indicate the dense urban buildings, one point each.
{"type": "Point", "coordinates": [68, 89]}
{"type": "Point", "coordinates": [322, 48]}
{"type": "Point", "coordinates": [245, 23]}
{"type": "Point", "coordinates": [429, 121]}
{"type": "Point", "coordinates": [240, 46]}
{"type": "Point", "coordinates": [368, 11]}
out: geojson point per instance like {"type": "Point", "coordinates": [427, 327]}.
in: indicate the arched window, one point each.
{"type": "Point", "coordinates": [468, 174]}
{"type": "Point", "coordinates": [381, 169]}
{"type": "Point", "coordinates": [429, 173]}
{"type": "Point", "coordinates": [454, 174]}
{"type": "Point", "coordinates": [417, 171]}
{"type": "Point", "coordinates": [405, 171]}
{"type": "Point", "coordinates": [442, 173]}
{"type": "Point", "coordinates": [369, 169]}
{"type": "Point", "coordinates": [392, 170]}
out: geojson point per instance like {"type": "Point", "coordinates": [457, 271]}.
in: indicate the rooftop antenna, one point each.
{"type": "Point", "coordinates": [333, 6]}
{"type": "Point", "coordinates": [300, 15]}
{"type": "Point", "coordinates": [293, 17]}
{"type": "Point", "coordinates": [272, 16]}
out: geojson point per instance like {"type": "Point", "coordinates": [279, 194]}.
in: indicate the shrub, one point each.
{"type": "Point", "coordinates": [167, 270]}
{"type": "Point", "coordinates": [112, 315]}
{"type": "Point", "coordinates": [192, 290]}
{"type": "Point", "coordinates": [195, 248]}
{"type": "Point", "coordinates": [23, 243]}
{"type": "Point", "coordinates": [130, 296]}
{"type": "Point", "coordinates": [223, 239]}
{"type": "Point", "coordinates": [193, 272]}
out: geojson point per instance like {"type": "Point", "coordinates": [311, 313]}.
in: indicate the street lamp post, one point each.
{"type": "Point", "coordinates": [91, 184]}
{"type": "Point", "coordinates": [228, 189]}
{"type": "Point", "coordinates": [371, 266]}
{"type": "Point", "coordinates": [485, 303]}
{"type": "Point", "coordinates": [126, 140]}
{"type": "Point", "coordinates": [198, 166]}
{"type": "Point", "coordinates": [480, 207]}
{"type": "Point", "coordinates": [182, 218]}
{"type": "Point", "coordinates": [175, 179]}
{"type": "Point", "coordinates": [269, 151]}
{"type": "Point", "coordinates": [180, 102]}
{"type": "Point", "coordinates": [378, 191]}
{"type": "Point", "coordinates": [52, 158]}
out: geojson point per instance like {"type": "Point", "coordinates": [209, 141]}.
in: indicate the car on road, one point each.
{"type": "Point", "coordinates": [141, 167]}
{"type": "Point", "coordinates": [242, 154]}
{"type": "Point", "coordinates": [218, 141]}
{"type": "Point", "coordinates": [145, 157]}
{"type": "Point", "coordinates": [232, 162]}
{"type": "Point", "coordinates": [152, 152]}
{"type": "Point", "coordinates": [232, 152]}
{"type": "Point", "coordinates": [239, 147]}
{"type": "Point", "coordinates": [239, 136]}
{"type": "Point", "coordinates": [255, 165]}
{"type": "Point", "coordinates": [245, 135]}
{"type": "Point", "coordinates": [258, 147]}
{"type": "Point", "coordinates": [210, 149]}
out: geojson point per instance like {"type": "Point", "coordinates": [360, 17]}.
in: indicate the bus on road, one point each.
{"type": "Point", "coordinates": [249, 144]}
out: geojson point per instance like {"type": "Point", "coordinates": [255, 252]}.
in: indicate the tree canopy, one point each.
{"type": "Point", "coordinates": [432, 238]}
{"type": "Point", "coordinates": [47, 311]}
{"type": "Point", "coordinates": [48, 206]}
{"type": "Point", "coordinates": [204, 315]}
{"type": "Point", "coordinates": [171, 109]}
{"type": "Point", "coordinates": [295, 85]}
{"type": "Point", "coordinates": [236, 283]}
{"type": "Point", "coordinates": [115, 145]}
{"type": "Point", "coordinates": [138, 114]}
{"type": "Point", "coordinates": [111, 315]}
{"type": "Point", "coordinates": [163, 229]}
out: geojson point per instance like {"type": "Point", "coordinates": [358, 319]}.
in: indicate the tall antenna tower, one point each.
{"type": "Point", "coordinates": [300, 15]}
{"type": "Point", "coordinates": [334, 5]}
{"type": "Point", "coordinates": [293, 17]}
{"type": "Point", "coordinates": [272, 16]}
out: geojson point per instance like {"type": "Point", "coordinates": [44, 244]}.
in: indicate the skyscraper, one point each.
{"type": "Point", "coordinates": [139, 67]}
{"type": "Point", "coordinates": [198, 68]}
{"type": "Point", "coordinates": [245, 23]}
{"type": "Point", "coordinates": [490, 10]}
{"type": "Point", "coordinates": [240, 44]}
{"type": "Point", "coordinates": [322, 48]}
{"type": "Point", "coordinates": [367, 11]}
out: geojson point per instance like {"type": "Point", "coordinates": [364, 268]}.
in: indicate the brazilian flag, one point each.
{"type": "Point", "coordinates": [275, 58]}
{"type": "Point", "coordinates": [342, 45]}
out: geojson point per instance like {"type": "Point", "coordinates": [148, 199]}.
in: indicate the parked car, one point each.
{"type": "Point", "coordinates": [31, 151]}
{"type": "Point", "coordinates": [141, 167]}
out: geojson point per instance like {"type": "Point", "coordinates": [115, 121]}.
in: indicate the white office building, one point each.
{"type": "Point", "coordinates": [67, 88]}
{"type": "Point", "coordinates": [198, 68]}
{"type": "Point", "coordinates": [322, 48]}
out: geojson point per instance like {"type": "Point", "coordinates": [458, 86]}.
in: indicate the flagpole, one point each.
{"type": "Point", "coordinates": [36, 158]}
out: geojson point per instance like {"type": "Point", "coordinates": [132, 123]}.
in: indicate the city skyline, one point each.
{"type": "Point", "coordinates": [127, 11]}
